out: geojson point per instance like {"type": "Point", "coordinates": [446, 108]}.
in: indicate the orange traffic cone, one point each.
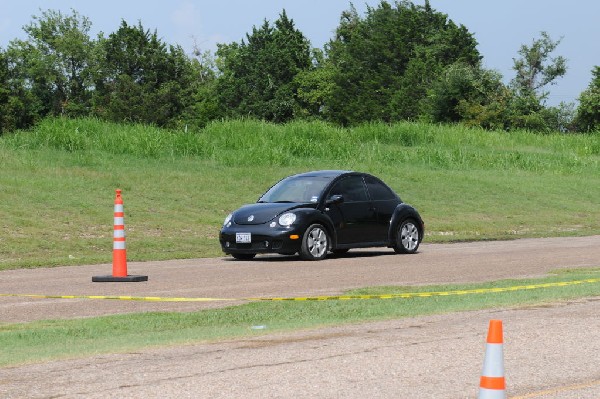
{"type": "Point", "coordinates": [119, 251]}
{"type": "Point", "coordinates": [492, 384]}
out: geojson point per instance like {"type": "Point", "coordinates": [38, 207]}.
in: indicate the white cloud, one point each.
{"type": "Point", "coordinates": [186, 17]}
{"type": "Point", "coordinates": [4, 24]}
{"type": "Point", "coordinates": [189, 30]}
{"type": "Point", "coordinates": [187, 27]}
{"type": "Point", "coordinates": [210, 42]}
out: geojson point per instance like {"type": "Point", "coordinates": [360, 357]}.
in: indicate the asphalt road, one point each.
{"type": "Point", "coordinates": [550, 351]}
{"type": "Point", "coordinates": [284, 276]}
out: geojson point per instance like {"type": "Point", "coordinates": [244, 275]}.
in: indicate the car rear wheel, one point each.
{"type": "Point", "coordinates": [315, 243]}
{"type": "Point", "coordinates": [407, 237]}
{"type": "Point", "coordinates": [243, 256]}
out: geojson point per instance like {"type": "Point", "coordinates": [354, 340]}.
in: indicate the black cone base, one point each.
{"type": "Point", "coordinates": [113, 279]}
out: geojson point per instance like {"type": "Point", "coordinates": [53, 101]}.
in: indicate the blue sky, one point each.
{"type": "Point", "coordinates": [500, 27]}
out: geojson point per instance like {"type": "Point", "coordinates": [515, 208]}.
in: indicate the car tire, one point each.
{"type": "Point", "coordinates": [243, 256]}
{"type": "Point", "coordinates": [407, 237]}
{"type": "Point", "coordinates": [315, 243]}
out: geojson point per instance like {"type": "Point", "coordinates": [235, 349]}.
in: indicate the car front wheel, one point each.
{"type": "Point", "coordinates": [407, 237]}
{"type": "Point", "coordinates": [315, 243]}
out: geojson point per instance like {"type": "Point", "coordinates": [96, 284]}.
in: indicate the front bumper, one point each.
{"type": "Point", "coordinates": [264, 239]}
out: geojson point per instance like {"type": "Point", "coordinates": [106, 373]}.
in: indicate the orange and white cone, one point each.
{"type": "Point", "coordinates": [492, 384]}
{"type": "Point", "coordinates": [119, 251]}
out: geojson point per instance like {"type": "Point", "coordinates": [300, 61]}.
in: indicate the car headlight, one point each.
{"type": "Point", "coordinates": [287, 219]}
{"type": "Point", "coordinates": [227, 221]}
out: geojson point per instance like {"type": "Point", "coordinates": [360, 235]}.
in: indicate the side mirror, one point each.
{"type": "Point", "coordinates": [335, 199]}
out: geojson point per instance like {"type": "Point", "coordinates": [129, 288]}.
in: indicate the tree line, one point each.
{"type": "Point", "coordinates": [396, 62]}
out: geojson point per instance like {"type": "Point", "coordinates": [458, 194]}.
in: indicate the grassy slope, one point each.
{"type": "Point", "coordinates": [57, 182]}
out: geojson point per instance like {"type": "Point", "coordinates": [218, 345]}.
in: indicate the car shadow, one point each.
{"type": "Point", "coordinates": [296, 258]}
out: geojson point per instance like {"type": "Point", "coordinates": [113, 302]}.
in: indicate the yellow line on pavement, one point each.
{"type": "Point", "coordinates": [405, 295]}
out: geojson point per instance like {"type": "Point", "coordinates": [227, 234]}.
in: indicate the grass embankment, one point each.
{"type": "Point", "coordinates": [57, 182]}
{"type": "Point", "coordinates": [46, 340]}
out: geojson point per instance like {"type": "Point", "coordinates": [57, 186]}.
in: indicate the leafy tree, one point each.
{"type": "Point", "coordinates": [203, 105]}
{"type": "Point", "coordinates": [385, 62]}
{"type": "Point", "coordinates": [588, 113]}
{"type": "Point", "coordinates": [7, 122]}
{"type": "Point", "coordinates": [257, 75]}
{"type": "Point", "coordinates": [54, 63]}
{"type": "Point", "coordinates": [469, 94]}
{"type": "Point", "coordinates": [559, 118]}
{"type": "Point", "coordinates": [19, 108]}
{"type": "Point", "coordinates": [142, 79]}
{"type": "Point", "coordinates": [315, 86]}
{"type": "Point", "coordinates": [535, 70]}
{"type": "Point", "coordinates": [4, 91]}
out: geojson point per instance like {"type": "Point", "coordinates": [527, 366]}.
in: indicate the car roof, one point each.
{"type": "Point", "coordinates": [324, 173]}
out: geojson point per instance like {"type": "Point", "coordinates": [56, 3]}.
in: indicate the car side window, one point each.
{"type": "Point", "coordinates": [378, 190]}
{"type": "Point", "coordinates": [351, 188]}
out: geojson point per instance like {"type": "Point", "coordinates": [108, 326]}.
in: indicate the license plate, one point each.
{"type": "Point", "coordinates": [243, 238]}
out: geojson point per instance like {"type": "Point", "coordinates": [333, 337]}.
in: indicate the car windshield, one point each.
{"type": "Point", "coordinates": [297, 189]}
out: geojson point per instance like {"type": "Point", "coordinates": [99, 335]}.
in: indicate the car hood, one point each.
{"type": "Point", "coordinates": [264, 212]}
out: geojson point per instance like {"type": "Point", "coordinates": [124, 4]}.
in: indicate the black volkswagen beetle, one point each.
{"type": "Point", "coordinates": [317, 212]}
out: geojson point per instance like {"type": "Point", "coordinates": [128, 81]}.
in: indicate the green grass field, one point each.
{"type": "Point", "coordinates": [58, 180]}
